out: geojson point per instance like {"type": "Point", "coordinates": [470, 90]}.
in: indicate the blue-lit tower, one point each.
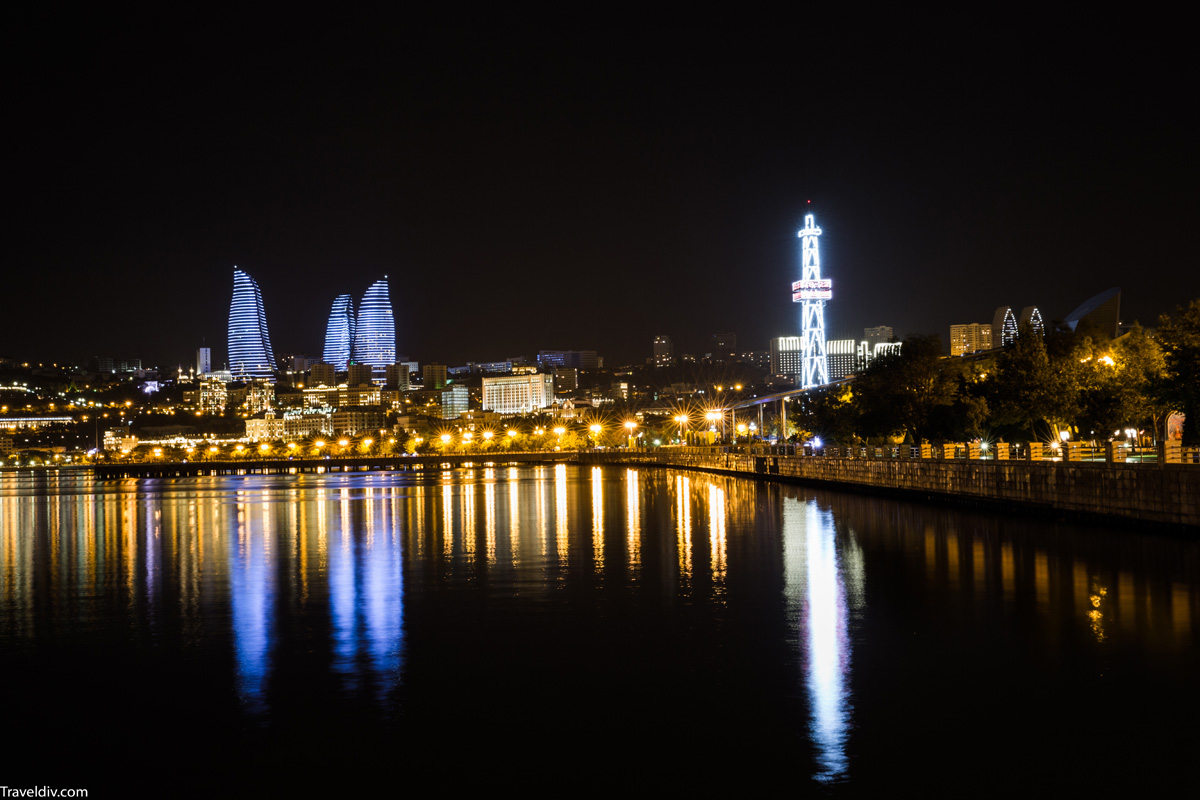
{"type": "Point", "coordinates": [812, 292]}
{"type": "Point", "coordinates": [339, 334]}
{"type": "Point", "coordinates": [375, 334]}
{"type": "Point", "coordinates": [250, 353]}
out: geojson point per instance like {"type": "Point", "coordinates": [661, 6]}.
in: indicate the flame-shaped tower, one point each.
{"type": "Point", "coordinates": [250, 354]}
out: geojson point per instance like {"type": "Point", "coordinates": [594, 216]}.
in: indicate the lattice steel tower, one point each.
{"type": "Point", "coordinates": [812, 292]}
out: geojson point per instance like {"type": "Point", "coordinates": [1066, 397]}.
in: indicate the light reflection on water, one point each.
{"type": "Point", "coordinates": [337, 571]}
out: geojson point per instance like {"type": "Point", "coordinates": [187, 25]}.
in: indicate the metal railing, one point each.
{"type": "Point", "coordinates": [1082, 452]}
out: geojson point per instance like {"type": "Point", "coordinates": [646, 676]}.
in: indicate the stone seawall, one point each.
{"type": "Point", "coordinates": [1166, 494]}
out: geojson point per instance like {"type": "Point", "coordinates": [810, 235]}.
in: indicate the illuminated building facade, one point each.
{"type": "Point", "coordinates": [203, 360]}
{"type": "Point", "coordinates": [842, 355]}
{"type": "Point", "coordinates": [456, 400]}
{"type": "Point", "coordinates": [517, 394]}
{"type": "Point", "coordinates": [970, 338]}
{"type": "Point", "coordinates": [812, 292]}
{"type": "Point", "coordinates": [260, 396]}
{"type": "Point", "coordinates": [375, 332]}
{"type": "Point", "coordinates": [1004, 327]}
{"type": "Point", "coordinates": [787, 356]}
{"type": "Point", "coordinates": [664, 351]}
{"type": "Point", "coordinates": [1031, 318]}
{"type": "Point", "coordinates": [213, 394]}
{"type": "Point", "coordinates": [339, 333]}
{"type": "Point", "coordinates": [250, 353]}
{"type": "Point", "coordinates": [867, 353]}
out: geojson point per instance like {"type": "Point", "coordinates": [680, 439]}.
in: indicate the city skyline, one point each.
{"type": "Point", "coordinates": [660, 186]}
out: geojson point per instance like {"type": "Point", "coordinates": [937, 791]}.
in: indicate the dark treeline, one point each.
{"type": "Point", "coordinates": [1081, 382]}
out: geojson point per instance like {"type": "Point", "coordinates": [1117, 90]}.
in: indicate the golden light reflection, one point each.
{"type": "Point", "coordinates": [447, 528]}
{"type": "Point", "coordinates": [468, 519]}
{"type": "Point", "coordinates": [979, 566]}
{"type": "Point", "coordinates": [952, 562]}
{"type": "Point", "coordinates": [633, 519]}
{"type": "Point", "coordinates": [489, 520]}
{"type": "Point", "coordinates": [683, 525]}
{"type": "Point", "coordinates": [514, 514]}
{"type": "Point", "coordinates": [1041, 579]}
{"type": "Point", "coordinates": [1008, 570]}
{"type": "Point", "coordinates": [598, 517]}
{"type": "Point", "coordinates": [1181, 612]}
{"type": "Point", "coordinates": [560, 511]}
{"type": "Point", "coordinates": [1096, 613]}
{"type": "Point", "coordinates": [716, 534]}
{"type": "Point", "coordinates": [930, 554]}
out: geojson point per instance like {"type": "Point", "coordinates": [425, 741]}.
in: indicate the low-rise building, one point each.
{"type": "Point", "coordinates": [517, 394]}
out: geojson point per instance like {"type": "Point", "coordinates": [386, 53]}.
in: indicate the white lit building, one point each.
{"type": "Point", "coordinates": [842, 355]}
{"type": "Point", "coordinates": [517, 394]}
{"type": "Point", "coordinates": [787, 356]}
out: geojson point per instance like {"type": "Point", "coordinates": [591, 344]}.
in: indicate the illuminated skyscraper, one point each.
{"type": "Point", "coordinates": [812, 292]}
{"type": "Point", "coordinates": [1031, 318]}
{"type": "Point", "coordinates": [1004, 327]}
{"type": "Point", "coordinates": [250, 354]}
{"type": "Point", "coordinates": [375, 334]}
{"type": "Point", "coordinates": [339, 334]}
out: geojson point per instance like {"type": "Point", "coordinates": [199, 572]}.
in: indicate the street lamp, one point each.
{"type": "Point", "coordinates": [629, 426]}
{"type": "Point", "coordinates": [682, 420]}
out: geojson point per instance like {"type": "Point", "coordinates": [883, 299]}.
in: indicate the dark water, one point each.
{"type": "Point", "coordinates": [561, 630]}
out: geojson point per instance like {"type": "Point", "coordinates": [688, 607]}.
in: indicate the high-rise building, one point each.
{"type": "Point", "coordinates": [322, 375]}
{"type": "Point", "coordinates": [842, 355]}
{"type": "Point", "coordinates": [970, 338]}
{"type": "Point", "coordinates": [812, 291]}
{"type": "Point", "coordinates": [339, 333]}
{"type": "Point", "coordinates": [1031, 318]}
{"type": "Point", "coordinates": [375, 332]}
{"type": "Point", "coordinates": [203, 360]}
{"type": "Point", "coordinates": [723, 347]}
{"type": "Point", "coordinates": [787, 356]}
{"type": "Point", "coordinates": [250, 353]}
{"type": "Point", "coordinates": [1004, 327]}
{"type": "Point", "coordinates": [398, 375]}
{"type": "Point", "coordinates": [517, 394]}
{"type": "Point", "coordinates": [359, 374]}
{"type": "Point", "coordinates": [433, 376]}
{"type": "Point", "coordinates": [455, 401]}
{"type": "Point", "coordinates": [878, 335]}
{"type": "Point", "coordinates": [664, 351]}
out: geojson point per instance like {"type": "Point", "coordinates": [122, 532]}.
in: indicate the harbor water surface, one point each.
{"type": "Point", "coordinates": [559, 628]}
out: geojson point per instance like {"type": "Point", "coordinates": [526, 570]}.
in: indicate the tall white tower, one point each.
{"type": "Point", "coordinates": [812, 292]}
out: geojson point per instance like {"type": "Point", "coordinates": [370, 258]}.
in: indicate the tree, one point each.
{"type": "Point", "coordinates": [1031, 392]}
{"type": "Point", "coordinates": [829, 412]}
{"type": "Point", "coordinates": [1179, 386]}
{"type": "Point", "coordinates": [902, 392]}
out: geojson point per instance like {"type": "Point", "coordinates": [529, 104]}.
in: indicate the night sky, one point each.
{"type": "Point", "coordinates": [527, 193]}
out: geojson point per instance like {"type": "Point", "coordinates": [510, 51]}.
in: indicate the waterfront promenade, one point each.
{"type": "Point", "coordinates": [1155, 493]}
